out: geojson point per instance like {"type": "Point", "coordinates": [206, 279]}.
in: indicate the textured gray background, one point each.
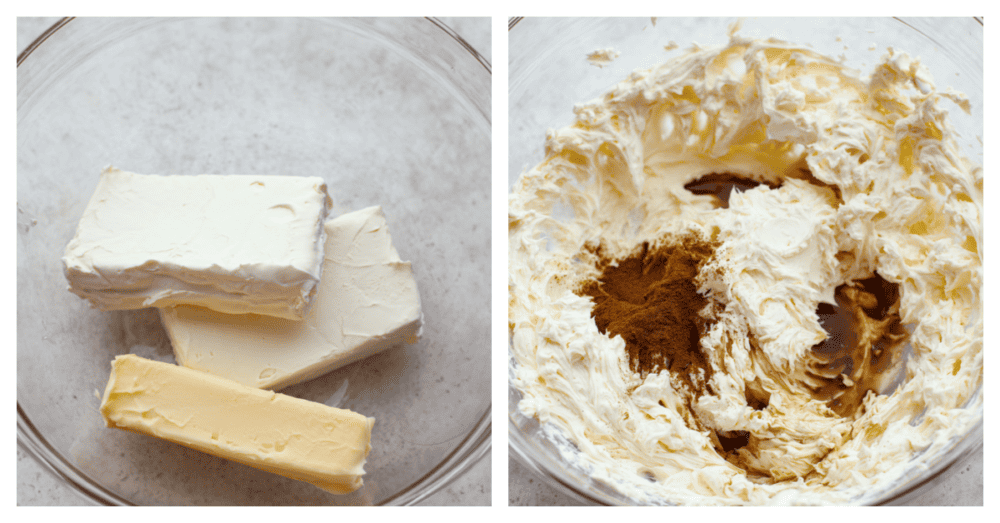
{"type": "Point", "coordinates": [36, 486]}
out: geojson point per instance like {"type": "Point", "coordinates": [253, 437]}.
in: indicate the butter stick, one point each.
{"type": "Point", "coordinates": [295, 438]}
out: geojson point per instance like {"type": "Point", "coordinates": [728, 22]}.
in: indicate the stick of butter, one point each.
{"type": "Point", "coordinates": [367, 301]}
{"type": "Point", "coordinates": [295, 438]}
{"type": "Point", "coordinates": [233, 243]}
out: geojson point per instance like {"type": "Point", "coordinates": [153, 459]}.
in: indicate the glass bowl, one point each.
{"type": "Point", "coordinates": [390, 112]}
{"type": "Point", "coordinates": [549, 73]}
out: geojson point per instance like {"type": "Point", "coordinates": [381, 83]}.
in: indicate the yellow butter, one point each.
{"type": "Point", "coordinates": [295, 438]}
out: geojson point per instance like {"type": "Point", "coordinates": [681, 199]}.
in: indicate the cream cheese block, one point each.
{"type": "Point", "coordinates": [367, 301]}
{"type": "Point", "coordinates": [295, 438]}
{"type": "Point", "coordinates": [233, 243]}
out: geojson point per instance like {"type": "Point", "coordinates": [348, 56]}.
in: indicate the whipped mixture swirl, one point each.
{"type": "Point", "coordinates": [862, 203]}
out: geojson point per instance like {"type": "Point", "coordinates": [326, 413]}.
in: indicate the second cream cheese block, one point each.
{"type": "Point", "coordinates": [295, 438]}
{"type": "Point", "coordinates": [367, 302]}
{"type": "Point", "coordinates": [233, 243]}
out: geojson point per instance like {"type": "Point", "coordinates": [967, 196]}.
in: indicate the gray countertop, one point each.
{"type": "Point", "coordinates": [37, 486]}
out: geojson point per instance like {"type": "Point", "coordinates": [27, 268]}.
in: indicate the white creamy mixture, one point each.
{"type": "Point", "coordinates": [602, 57]}
{"type": "Point", "coordinates": [862, 176]}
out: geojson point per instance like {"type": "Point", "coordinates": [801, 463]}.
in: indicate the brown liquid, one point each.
{"type": "Point", "coordinates": [721, 186]}
{"type": "Point", "coordinates": [865, 338]}
{"type": "Point", "coordinates": [865, 335]}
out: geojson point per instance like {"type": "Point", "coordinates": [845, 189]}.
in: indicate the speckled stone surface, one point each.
{"type": "Point", "coordinates": [37, 486]}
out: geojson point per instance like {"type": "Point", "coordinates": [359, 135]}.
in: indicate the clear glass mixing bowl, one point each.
{"type": "Point", "coordinates": [549, 74]}
{"type": "Point", "coordinates": [392, 112]}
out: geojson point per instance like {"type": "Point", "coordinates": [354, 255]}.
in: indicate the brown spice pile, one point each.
{"type": "Point", "coordinates": [650, 299]}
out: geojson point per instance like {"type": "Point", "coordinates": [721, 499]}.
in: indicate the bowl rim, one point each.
{"type": "Point", "coordinates": [945, 461]}
{"type": "Point", "coordinates": [483, 61]}
{"type": "Point", "coordinates": [514, 20]}
{"type": "Point", "coordinates": [472, 448]}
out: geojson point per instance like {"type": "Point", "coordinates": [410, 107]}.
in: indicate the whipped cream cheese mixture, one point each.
{"type": "Point", "coordinates": [839, 338]}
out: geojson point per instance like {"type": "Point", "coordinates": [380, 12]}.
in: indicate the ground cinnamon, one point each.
{"type": "Point", "coordinates": [650, 299]}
